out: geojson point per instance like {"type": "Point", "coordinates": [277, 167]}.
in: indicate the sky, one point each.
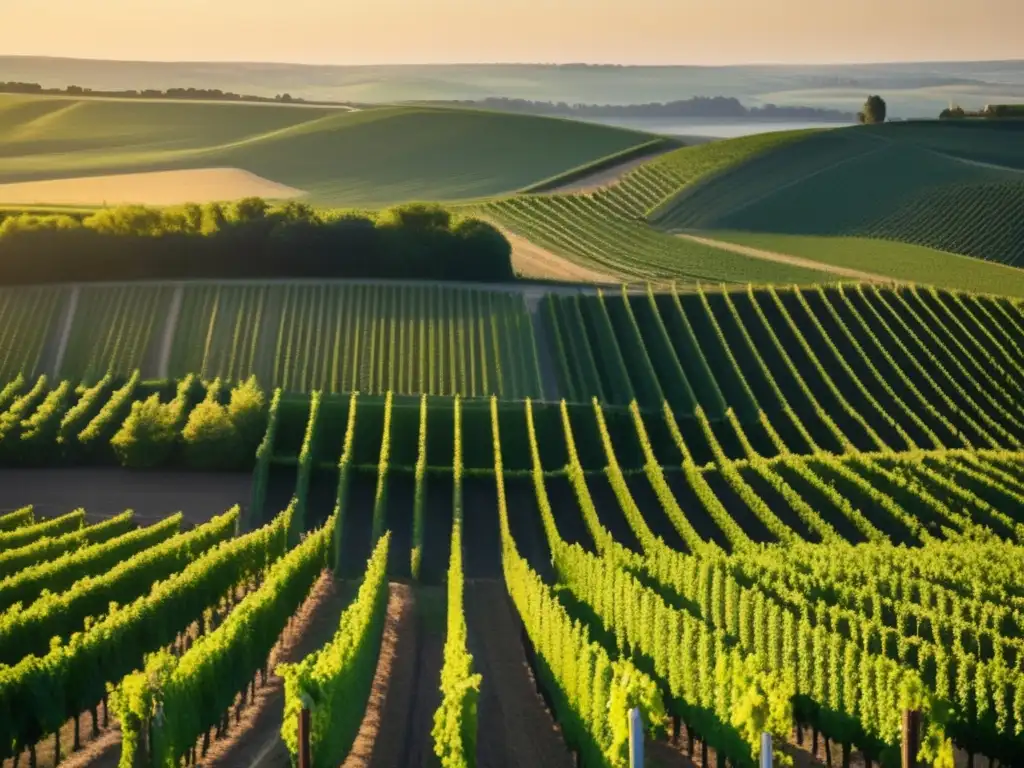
{"type": "Point", "coordinates": [709, 32]}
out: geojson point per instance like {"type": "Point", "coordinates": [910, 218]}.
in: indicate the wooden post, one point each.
{"type": "Point", "coordinates": [911, 742]}
{"type": "Point", "coordinates": [304, 760]}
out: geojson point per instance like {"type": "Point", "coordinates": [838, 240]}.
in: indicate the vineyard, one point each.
{"type": "Point", "coordinates": [974, 219]}
{"type": "Point", "coordinates": [629, 541]}
{"type": "Point", "coordinates": [484, 525]}
{"type": "Point", "coordinates": [333, 337]}
{"type": "Point", "coordinates": [948, 190]}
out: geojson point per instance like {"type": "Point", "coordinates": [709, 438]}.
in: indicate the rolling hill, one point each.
{"type": "Point", "coordinates": [952, 187]}
{"type": "Point", "coordinates": [920, 89]}
{"type": "Point", "coordinates": [339, 157]}
{"type": "Point", "coordinates": [901, 201]}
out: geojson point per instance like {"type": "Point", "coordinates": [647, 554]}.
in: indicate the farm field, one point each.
{"type": "Point", "coordinates": [826, 367]}
{"type": "Point", "coordinates": [338, 158]}
{"type": "Point", "coordinates": [949, 190]}
{"type": "Point", "coordinates": [569, 510]}
{"type": "Point", "coordinates": [330, 336]}
{"type": "Point", "coordinates": [471, 524]}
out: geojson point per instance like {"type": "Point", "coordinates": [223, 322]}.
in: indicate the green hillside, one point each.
{"type": "Point", "coordinates": [606, 229]}
{"type": "Point", "coordinates": [364, 158]}
{"type": "Point", "coordinates": [949, 186]}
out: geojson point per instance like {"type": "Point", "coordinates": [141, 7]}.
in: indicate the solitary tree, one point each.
{"type": "Point", "coordinates": [874, 110]}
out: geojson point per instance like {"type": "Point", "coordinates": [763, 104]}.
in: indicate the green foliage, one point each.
{"type": "Point", "coordinates": [72, 677]}
{"type": "Point", "coordinates": [62, 572]}
{"type": "Point", "coordinates": [220, 436]}
{"type": "Point", "coordinates": [27, 534]}
{"type": "Point", "coordinates": [335, 680]}
{"type": "Point", "coordinates": [420, 494]}
{"type": "Point", "coordinates": [10, 521]}
{"type": "Point", "coordinates": [262, 469]}
{"type": "Point", "coordinates": [14, 559]}
{"type": "Point", "coordinates": [380, 497]}
{"type": "Point", "coordinates": [19, 409]}
{"type": "Point", "coordinates": [193, 692]}
{"type": "Point", "coordinates": [873, 111]}
{"type": "Point", "coordinates": [61, 614]}
{"type": "Point", "coordinates": [90, 401]}
{"type": "Point", "coordinates": [253, 239]}
{"type": "Point", "coordinates": [93, 442]}
{"type": "Point", "coordinates": [247, 410]}
{"type": "Point", "coordinates": [307, 455]}
{"type": "Point", "coordinates": [455, 721]}
{"type": "Point", "coordinates": [150, 434]}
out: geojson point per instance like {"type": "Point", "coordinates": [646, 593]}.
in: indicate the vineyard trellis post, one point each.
{"type": "Point", "coordinates": [636, 738]}
{"type": "Point", "coordinates": [304, 759]}
{"type": "Point", "coordinates": [766, 750]}
{"type": "Point", "coordinates": [911, 741]}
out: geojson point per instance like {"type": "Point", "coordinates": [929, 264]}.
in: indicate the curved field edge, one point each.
{"type": "Point", "coordinates": [900, 261]}
{"type": "Point", "coordinates": [581, 173]}
{"type": "Point", "coordinates": [367, 158]}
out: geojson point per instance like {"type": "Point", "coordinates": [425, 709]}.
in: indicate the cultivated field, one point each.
{"type": "Point", "coordinates": [373, 157]}
{"type": "Point", "coordinates": [451, 524]}
{"type": "Point", "coordinates": [612, 518]}
{"type": "Point", "coordinates": [205, 185]}
{"type": "Point", "coordinates": [900, 201]}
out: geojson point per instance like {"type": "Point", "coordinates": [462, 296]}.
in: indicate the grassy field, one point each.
{"type": "Point", "coordinates": [367, 158]}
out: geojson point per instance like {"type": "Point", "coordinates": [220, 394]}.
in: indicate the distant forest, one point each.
{"type": "Point", "coordinates": [183, 94]}
{"type": "Point", "coordinates": [698, 106]}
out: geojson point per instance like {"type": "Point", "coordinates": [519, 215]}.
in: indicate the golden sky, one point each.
{"type": "Point", "coordinates": [419, 31]}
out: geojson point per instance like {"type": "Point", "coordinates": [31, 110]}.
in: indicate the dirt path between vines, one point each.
{"type": "Point", "coordinates": [382, 733]}
{"type": "Point", "coordinates": [783, 258]}
{"type": "Point", "coordinates": [516, 729]}
{"type": "Point", "coordinates": [256, 739]}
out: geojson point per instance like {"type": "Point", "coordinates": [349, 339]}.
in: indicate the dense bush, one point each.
{"type": "Point", "coordinates": [250, 238]}
{"type": "Point", "coordinates": [149, 435]}
{"type": "Point", "coordinates": [225, 436]}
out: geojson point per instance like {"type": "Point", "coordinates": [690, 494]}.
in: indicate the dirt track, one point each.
{"type": "Point", "coordinates": [516, 730]}
{"type": "Point", "coordinates": [782, 258]}
{"type": "Point", "coordinates": [256, 740]}
{"type": "Point", "coordinates": [107, 491]}
{"type": "Point", "coordinates": [533, 261]}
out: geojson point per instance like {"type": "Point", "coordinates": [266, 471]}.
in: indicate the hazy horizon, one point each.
{"type": "Point", "coordinates": [520, 63]}
{"type": "Point", "coordinates": [612, 32]}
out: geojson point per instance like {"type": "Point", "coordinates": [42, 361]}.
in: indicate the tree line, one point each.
{"type": "Point", "coordinates": [251, 239]}
{"type": "Point", "coordinates": [184, 94]}
{"type": "Point", "coordinates": [698, 106]}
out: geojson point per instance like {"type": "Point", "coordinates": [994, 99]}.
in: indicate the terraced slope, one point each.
{"type": "Point", "coordinates": [341, 158]}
